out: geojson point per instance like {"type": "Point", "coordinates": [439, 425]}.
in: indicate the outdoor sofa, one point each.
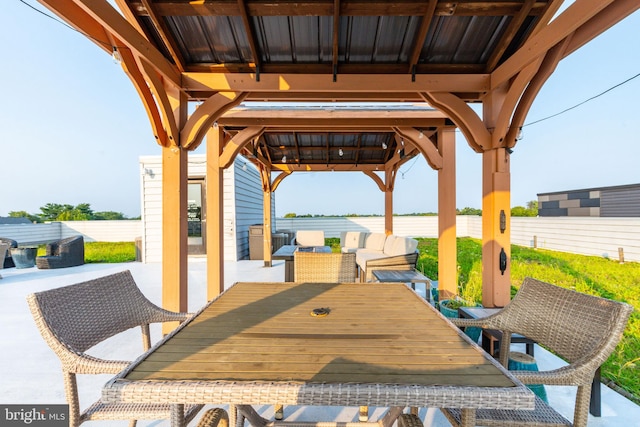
{"type": "Point", "coordinates": [63, 253]}
{"type": "Point", "coordinates": [377, 251]}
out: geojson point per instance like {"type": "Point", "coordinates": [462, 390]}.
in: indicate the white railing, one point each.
{"type": "Point", "coordinates": [606, 237]}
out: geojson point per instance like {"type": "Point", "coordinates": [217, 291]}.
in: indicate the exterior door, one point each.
{"type": "Point", "coordinates": [196, 217]}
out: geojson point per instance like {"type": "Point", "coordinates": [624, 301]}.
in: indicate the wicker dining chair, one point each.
{"type": "Point", "coordinates": [582, 329]}
{"type": "Point", "coordinates": [74, 318]}
{"type": "Point", "coordinates": [324, 267]}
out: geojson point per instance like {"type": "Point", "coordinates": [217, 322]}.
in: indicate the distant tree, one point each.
{"type": "Point", "coordinates": [469, 211]}
{"type": "Point", "coordinates": [73, 215]}
{"type": "Point", "coordinates": [51, 211]}
{"type": "Point", "coordinates": [108, 215]}
{"type": "Point", "coordinates": [59, 212]}
{"type": "Point", "coordinates": [531, 209]}
{"type": "Point", "coordinates": [24, 214]}
{"type": "Point", "coordinates": [290, 215]}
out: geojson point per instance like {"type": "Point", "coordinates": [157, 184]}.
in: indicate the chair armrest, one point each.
{"type": "Point", "coordinates": [578, 373]}
{"type": "Point", "coordinates": [83, 363]}
{"type": "Point", "coordinates": [464, 323]}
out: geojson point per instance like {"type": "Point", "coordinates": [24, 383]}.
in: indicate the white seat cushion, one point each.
{"type": "Point", "coordinates": [403, 245]}
{"type": "Point", "coordinates": [375, 241]}
{"type": "Point", "coordinates": [310, 238]}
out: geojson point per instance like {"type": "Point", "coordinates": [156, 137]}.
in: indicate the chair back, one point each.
{"type": "Point", "coordinates": [324, 267]}
{"type": "Point", "coordinates": [310, 238]}
{"type": "Point", "coordinates": [4, 248]}
{"type": "Point", "coordinates": [79, 316]}
{"type": "Point", "coordinates": [571, 324]}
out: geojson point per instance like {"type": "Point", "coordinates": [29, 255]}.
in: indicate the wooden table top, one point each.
{"type": "Point", "coordinates": [265, 332]}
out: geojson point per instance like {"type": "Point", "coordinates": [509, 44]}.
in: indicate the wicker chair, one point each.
{"type": "Point", "coordinates": [324, 267]}
{"type": "Point", "coordinates": [64, 253]}
{"type": "Point", "coordinates": [4, 248]}
{"type": "Point", "coordinates": [74, 318]}
{"type": "Point", "coordinates": [7, 260]}
{"type": "Point", "coordinates": [582, 329]}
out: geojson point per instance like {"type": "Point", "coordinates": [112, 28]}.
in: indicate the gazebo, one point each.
{"type": "Point", "coordinates": [194, 62]}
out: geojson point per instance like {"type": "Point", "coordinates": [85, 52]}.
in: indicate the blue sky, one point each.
{"type": "Point", "coordinates": [74, 128]}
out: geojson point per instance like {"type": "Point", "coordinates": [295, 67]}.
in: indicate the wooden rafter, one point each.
{"type": "Point", "coordinates": [576, 15]}
{"type": "Point", "coordinates": [251, 36]}
{"type": "Point", "coordinates": [509, 34]}
{"type": "Point", "coordinates": [336, 38]}
{"type": "Point", "coordinates": [162, 30]}
{"type": "Point", "coordinates": [427, 18]}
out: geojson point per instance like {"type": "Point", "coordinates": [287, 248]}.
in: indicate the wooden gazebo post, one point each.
{"type": "Point", "coordinates": [447, 244]}
{"type": "Point", "coordinates": [214, 197]}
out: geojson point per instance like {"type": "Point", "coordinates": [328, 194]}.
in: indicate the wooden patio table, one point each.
{"type": "Point", "coordinates": [261, 344]}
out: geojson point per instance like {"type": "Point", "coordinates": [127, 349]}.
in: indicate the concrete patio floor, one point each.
{"type": "Point", "coordinates": [30, 371]}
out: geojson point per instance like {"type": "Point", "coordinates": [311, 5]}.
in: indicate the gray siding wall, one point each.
{"type": "Point", "coordinates": [248, 204]}
{"type": "Point", "coordinates": [619, 201]}
{"type": "Point", "coordinates": [624, 202]}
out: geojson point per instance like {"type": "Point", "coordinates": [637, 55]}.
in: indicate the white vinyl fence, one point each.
{"type": "Point", "coordinates": [606, 237]}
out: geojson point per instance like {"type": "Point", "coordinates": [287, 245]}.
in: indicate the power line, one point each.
{"type": "Point", "coordinates": [65, 24]}
{"type": "Point", "coordinates": [583, 102]}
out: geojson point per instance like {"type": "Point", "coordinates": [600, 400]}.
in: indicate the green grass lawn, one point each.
{"type": "Point", "coordinates": [589, 274]}
{"type": "Point", "coordinates": [105, 252]}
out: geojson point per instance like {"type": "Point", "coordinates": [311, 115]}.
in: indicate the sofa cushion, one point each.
{"type": "Point", "coordinates": [310, 237]}
{"type": "Point", "coordinates": [364, 255]}
{"type": "Point", "coordinates": [352, 239]}
{"type": "Point", "coordinates": [388, 244]}
{"type": "Point", "coordinates": [375, 241]}
{"type": "Point", "coordinates": [403, 245]}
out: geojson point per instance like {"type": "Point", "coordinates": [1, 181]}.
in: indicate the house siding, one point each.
{"type": "Point", "coordinates": [250, 192]}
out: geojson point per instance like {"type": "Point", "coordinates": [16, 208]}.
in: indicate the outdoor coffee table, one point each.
{"type": "Point", "coordinates": [267, 343]}
{"type": "Point", "coordinates": [286, 253]}
{"type": "Point", "coordinates": [412, 276]}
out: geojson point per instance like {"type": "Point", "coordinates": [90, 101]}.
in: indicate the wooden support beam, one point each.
{"type": "Point", "coordinates": [235, 145]}
{"type": "Point", "coordinates": [423, 143]}
{"type": "Point", "coordinates": [447, 247]}
{"type": "Point", "coordinates": [496, 241]}
{"type": "Point", "coordinates": [215, 216]}
{"type": "Point", "coordinates": [477, 135]}
{"type": "Point", "coordinates": [205, 115]}
{"type": "Point", "coordinates": [174, 232]}
{"type": "Point", "coordinates": [266, 213]}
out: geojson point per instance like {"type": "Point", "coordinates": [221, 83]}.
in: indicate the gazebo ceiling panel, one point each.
{"type": "Point", "coordinates": [309, 148]}
{"type": "Point", "coordinates": [373, 37]}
